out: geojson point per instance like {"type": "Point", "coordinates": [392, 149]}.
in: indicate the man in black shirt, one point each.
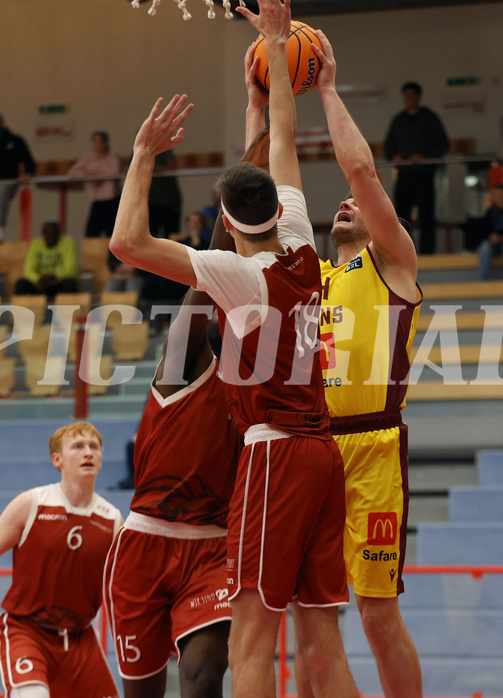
{"type": "Point", "coordinates": [13, 153]}
{"type": "Point", "coordinates": [414, 134]}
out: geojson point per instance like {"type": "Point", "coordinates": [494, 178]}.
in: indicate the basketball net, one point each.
{"type": "Point", "coordinates": [186, 14]}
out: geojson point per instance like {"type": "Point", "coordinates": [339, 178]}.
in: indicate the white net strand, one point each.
{"type": "Point", "coordinates": [211, 12]}
{"type": "Point", "coordinates": [186, 14]}
{"type": "Point", "coordinates": [227, 8]}
{"type": "Point", "coordinates": [181, 6]}
{"type": "Point", "coordinates": [153, 10]}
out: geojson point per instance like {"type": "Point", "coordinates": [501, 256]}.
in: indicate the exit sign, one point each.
{"type": "Point", "coordinates": [463, 81]}
{"type": "Point", "coordinates": [52, 109]}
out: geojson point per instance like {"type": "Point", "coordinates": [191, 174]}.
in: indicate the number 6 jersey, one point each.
{"type": "Point", "coordinates": [59, 561]}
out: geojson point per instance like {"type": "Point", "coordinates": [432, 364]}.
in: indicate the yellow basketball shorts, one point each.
{"type": "Point", "coordinates": [377, 503]}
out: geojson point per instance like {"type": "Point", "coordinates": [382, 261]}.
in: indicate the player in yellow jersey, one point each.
{"type": "Point", "coordinates": [367, 323]}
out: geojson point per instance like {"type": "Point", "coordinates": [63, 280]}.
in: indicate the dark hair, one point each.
{"type": "Point", "coordinates": [249, 194]}
{"type": "Point", "coordinates": [52, 222]}
{"type": "Point", "coordinates": [498, 186]}
{"type": "Point", "coordinates": [415, 86]}
{"type": "Point", "coordinates": [101, 134]}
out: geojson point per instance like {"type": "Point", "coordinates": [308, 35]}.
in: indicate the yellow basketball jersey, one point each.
{"type": "Point", "coordinates": [366, 333]}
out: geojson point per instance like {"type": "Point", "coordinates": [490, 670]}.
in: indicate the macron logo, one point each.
{"type": "Point", "coordinates": [52, 517]}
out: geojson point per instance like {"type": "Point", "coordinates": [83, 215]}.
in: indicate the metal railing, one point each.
{"type": "Point", "coordinates": [64, 184]}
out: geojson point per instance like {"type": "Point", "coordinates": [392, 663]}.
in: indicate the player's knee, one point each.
{"type": "Point", "coordinates": [306, 653]}
{"type": "Point", "coordinates": [315, 657]}
{"type": "Point", "coordinates": [380, 617]}
{"type": "Point", "coordinates": [204, 678]}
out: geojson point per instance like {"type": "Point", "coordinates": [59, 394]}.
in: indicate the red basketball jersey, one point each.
{"type": "Point", "coordinates": [186, 454]}
{"type": "Point", "coordinates": [59, 561]}
{"type": "Point", "coordinates": [268, 310]}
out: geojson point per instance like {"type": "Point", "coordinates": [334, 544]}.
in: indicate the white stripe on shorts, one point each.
{"type": "Point", "coordinates": [264, 432]}
{"type": "Point", "coordinates": [171, 529]}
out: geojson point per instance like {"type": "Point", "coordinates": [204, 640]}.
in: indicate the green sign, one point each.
{"type": "Point", "coordinates": [52, 109]}
{"type": "Point", "coordinates": [462, 82]}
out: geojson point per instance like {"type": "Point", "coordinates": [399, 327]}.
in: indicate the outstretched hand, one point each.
{"type": "Point", "coordinates": [274, 19]}
{"type": "Point", "coordinates": [326, 76]}
{"type": "Point", "coordinates": [162, 130]}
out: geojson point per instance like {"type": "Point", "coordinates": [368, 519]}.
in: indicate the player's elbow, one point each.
{"type": "Point", "coordinates": [361, 170]}
{"type": "Point", "coordinates": [121, 249]}
{"type": "Point", "coordinates": [115, 247]}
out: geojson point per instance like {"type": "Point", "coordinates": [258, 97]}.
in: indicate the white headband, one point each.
{"type": "Point", "coordinates": [251, 229]}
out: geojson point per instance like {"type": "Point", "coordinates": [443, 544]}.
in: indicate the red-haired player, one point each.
{"type": "Point", "coordinates": [61, 535]}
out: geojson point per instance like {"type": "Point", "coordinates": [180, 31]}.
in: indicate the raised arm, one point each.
{"type": "Point", "coordinates": [195, 351]}
{"type": "Point", "coordinates": [258, 97]}
{"type": "Point", "coordinates": [390, 240]}
{"type": "Point", "coordinates": [131, 241]}
{"type": "Point", "coordinates": [273, 23]}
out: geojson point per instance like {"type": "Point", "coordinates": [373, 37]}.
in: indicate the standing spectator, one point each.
{"type": "Point", "coordinates": [51, 266]}
{"type": "Point", "coordinates": [164, 199]}
{"type": "Point", "coordinates": [14, 153]}
{"type": "Point", "coordinates": [414, 134]}
{"type": "Point", "coordinates": [60, 535]}
{"type": "Point", "coordinates": [492, 245]}
{"type": "Point", "coordinates": [104, 194]}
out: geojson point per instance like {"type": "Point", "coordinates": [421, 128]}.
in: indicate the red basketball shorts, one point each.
{"type": "Point", "coordinates": [76, 667]}
{"type": "Point", "coordinates": [159, 588]}
{"type": "Point", "coordinates": [286, 521]}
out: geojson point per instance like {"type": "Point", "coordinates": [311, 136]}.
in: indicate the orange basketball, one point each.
{"type": "Point", "coordinates": [303, 65]}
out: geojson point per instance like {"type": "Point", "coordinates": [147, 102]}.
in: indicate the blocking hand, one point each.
{"type": "Point", "coordinates": [162, 130]}
{"type": "Point", "coordinates": [274, 19]}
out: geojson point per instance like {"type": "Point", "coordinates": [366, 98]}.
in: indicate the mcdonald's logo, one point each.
{"type": "Point", "coordinates": [382, 528]}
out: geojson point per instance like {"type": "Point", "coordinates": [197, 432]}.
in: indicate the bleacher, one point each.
{"type": "Point", "coordinates": [455, 620]}
{"type": "Point", "coordinates": [460, 330]}
{"type": "Point", "coordinates": [38, 344]}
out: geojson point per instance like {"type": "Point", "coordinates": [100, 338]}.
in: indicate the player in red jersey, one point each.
{"type": "Point", "coordinates": [60, 534]}
{"type": "Point", "coordinates": [165, 579]}
{"type": "Point", "coordinates": [287, 513]}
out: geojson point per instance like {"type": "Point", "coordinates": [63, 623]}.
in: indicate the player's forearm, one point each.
{"type": "Point", "coordinates": [351, 149]}
{"type": "Point", "coordinates": [131, 241]}
{"type": "Point", "coordinates": [131, 229]}
{"type": "Point", "coordinates": [255, 123]}
{"type": "Point", "coordinates": [282, 114]}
